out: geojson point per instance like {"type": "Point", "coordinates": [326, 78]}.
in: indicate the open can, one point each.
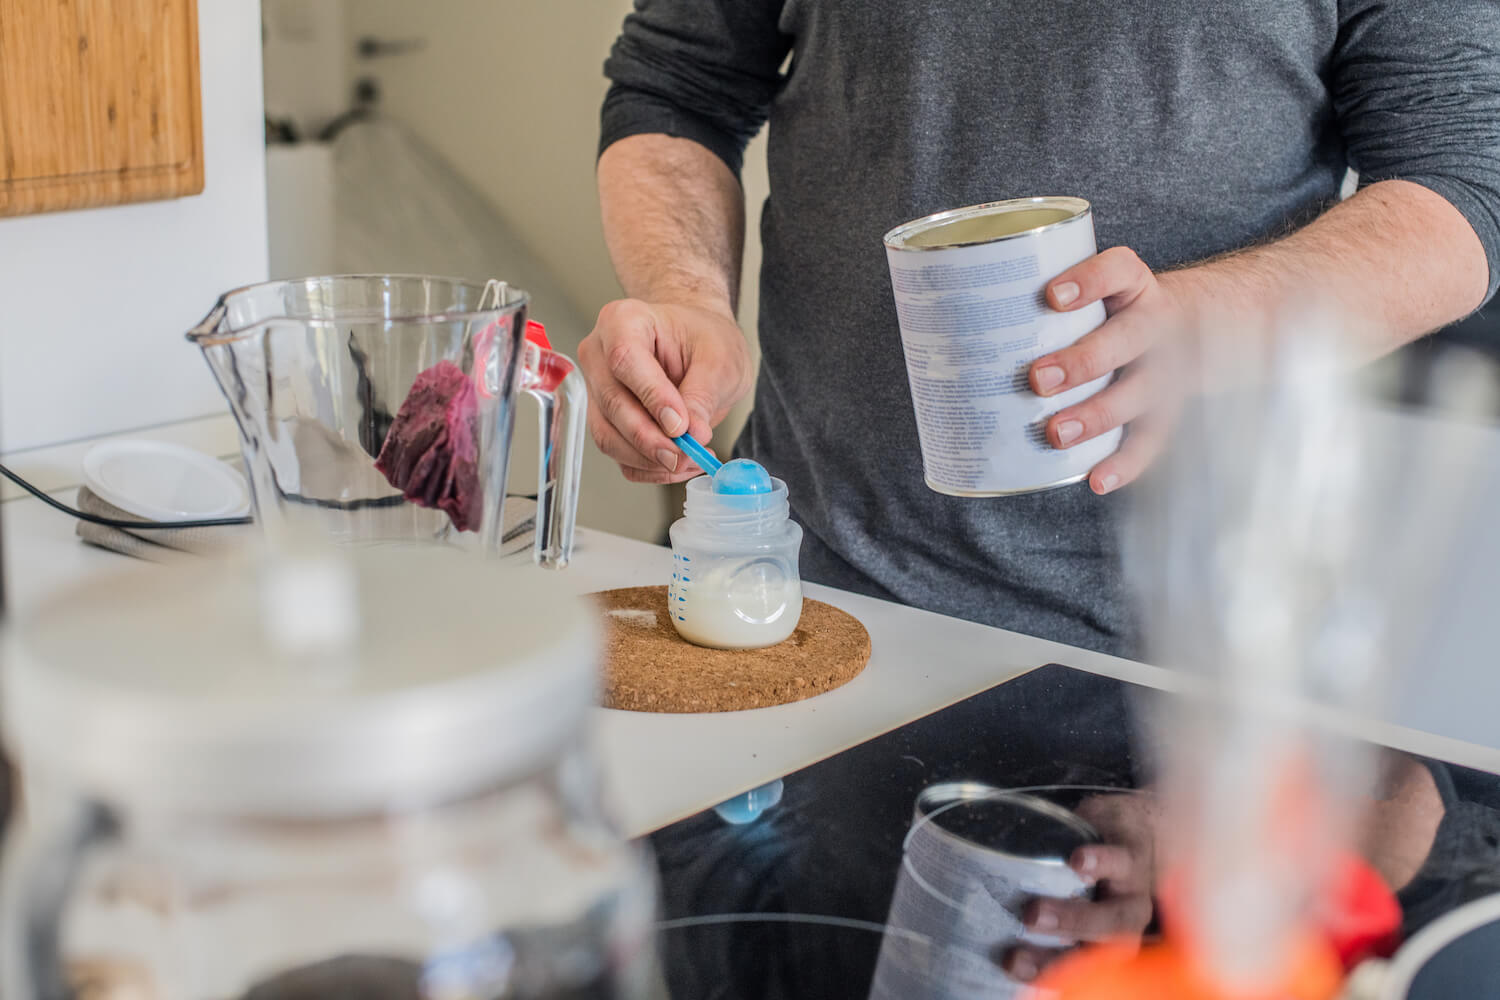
{"type": "Point", "coordinates": [970, 300]}
{"type": "Point", "coordinates": [974, 857]}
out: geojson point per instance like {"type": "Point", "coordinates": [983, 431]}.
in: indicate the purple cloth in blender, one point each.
{"type": "Point", "coordinates": [431, 452]}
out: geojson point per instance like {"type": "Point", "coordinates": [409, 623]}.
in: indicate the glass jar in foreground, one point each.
{"type": "Point", "coordinates": [218, 811]}
{"type": "Point", "coordinates": [735, 583]}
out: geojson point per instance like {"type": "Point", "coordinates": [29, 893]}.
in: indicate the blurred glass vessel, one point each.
{"type": "Point", "coordinates": [224, 799]}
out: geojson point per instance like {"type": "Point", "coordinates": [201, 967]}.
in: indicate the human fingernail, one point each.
{"type": "Point", "coordinates": [1045, 920]}
{"type": "Point", "coordinates": [667, 458]}
{"type": "Point", "coordinates": [670, 420]}
{"type": "Point", "coordinates": [1049, 378]}
{"type": "Point", "coordinates": [1068, 431]}
{"type": "Point", "coordinates": [1087, 862]}
{"type": "Point", "coordinates": [1023, 968]}
{"type": "Point", "coordinates": [1066, 293]}
{"type": "Point", "coordinates": [1108, 483]}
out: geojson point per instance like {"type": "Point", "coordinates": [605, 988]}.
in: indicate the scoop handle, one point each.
{"type": "Point", "coordinates": [699, 454]}
{"type": "Point", "coordinates": [40, 876]}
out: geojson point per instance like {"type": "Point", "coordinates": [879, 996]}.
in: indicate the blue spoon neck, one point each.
{"type": "Point", "coordinates": [699, 454]}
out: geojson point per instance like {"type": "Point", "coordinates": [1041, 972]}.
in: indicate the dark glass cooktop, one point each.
{"type": "Point", "coordinates": [791, 899]}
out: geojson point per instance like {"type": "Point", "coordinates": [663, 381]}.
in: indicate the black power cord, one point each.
{"type": "Point", "coordinates": [109, 522]}
{"type": "Point", "coordinates": [216, 522]}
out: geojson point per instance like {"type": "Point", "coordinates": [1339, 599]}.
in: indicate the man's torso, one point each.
{"type": "Point", "coordinates": [1193, 127]}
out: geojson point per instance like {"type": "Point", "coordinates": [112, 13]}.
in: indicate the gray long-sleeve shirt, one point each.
{"type": "Point", "coordinates": [1193, 126]}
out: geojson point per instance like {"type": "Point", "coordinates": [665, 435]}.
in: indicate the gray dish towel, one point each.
{"type": "Point", "coordinates": [170, 544]}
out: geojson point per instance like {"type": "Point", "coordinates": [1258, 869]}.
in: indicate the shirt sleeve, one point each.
{"type": "Point", "coordinates": [705, 70]}
{"type": "Point", "coordinates": [1416, 87]}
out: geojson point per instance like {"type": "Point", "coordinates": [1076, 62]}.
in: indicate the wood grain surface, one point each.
{"type": "Point", "coordinates": [99, 103]}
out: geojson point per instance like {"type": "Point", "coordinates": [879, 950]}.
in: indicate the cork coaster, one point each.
{"type": "Point", "coordinates": [650, 668]}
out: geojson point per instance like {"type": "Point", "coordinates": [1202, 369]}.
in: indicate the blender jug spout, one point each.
{"type": "Point", "coordinates": [217, 343]}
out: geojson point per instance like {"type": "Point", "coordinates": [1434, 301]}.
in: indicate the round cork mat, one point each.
{"type": "Point", "coordinates": [648, 667]}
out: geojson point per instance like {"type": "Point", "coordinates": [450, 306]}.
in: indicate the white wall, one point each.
{"type": "Point", "coordinates": [509, 91]}
{"type": "Point", "coordinates": [93, 304]}
{"type": "Point", "coordinates": [306, 62]}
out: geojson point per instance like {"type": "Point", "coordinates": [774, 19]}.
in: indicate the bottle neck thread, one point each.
{"type": "Point", "coordinates": [736, 513]}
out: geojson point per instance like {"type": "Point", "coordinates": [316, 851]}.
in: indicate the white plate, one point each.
{"type": "Point", "coordinates": [164, 482]}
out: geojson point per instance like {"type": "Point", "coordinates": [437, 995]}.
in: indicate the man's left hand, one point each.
{"type": "Point", "coordinates": [1147, 313]}
{"type": "Point", "coordinates": [1123, 870]}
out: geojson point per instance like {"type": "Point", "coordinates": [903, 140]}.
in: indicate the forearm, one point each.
{"type": "Point", "coordinates": [674, 221]}
{"type": "Point", "coordinates": [1394, 262]}
{"type": "Point", "coordinates": [1401, 819]}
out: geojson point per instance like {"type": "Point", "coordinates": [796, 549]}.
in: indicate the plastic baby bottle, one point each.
{"type": "Point", "coordinates": [734, 580]}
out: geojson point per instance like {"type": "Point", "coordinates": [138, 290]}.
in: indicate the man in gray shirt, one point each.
{"type": "Point", "coordinates": [1211, 136]}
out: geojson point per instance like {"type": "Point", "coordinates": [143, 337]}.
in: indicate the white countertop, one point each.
{"type": "Point", "coordinates": [662, 768]}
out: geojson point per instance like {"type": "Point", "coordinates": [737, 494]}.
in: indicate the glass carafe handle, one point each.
{"type": "Point", "coordinates": [554, 381]}
{"type": "Point", "coordinates": [39, 878]}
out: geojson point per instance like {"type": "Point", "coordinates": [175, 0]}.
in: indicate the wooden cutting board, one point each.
{"type": "Point", "coordinates": [99, 103]}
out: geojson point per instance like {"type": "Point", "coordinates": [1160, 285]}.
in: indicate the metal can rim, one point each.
{"type": "Point", "coordinates": [1014, 492]}
{"type": "Point", "coordinates": [933, 800]}
{"type": "Point", "coordinates": [896, 238]}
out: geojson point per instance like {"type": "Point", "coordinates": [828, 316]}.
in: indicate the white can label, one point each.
{"type": "Point", "coordinates": [973, 319]}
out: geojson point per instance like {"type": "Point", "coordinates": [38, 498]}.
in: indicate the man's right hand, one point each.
{"type": "Point", "coordinates": [655, 371]}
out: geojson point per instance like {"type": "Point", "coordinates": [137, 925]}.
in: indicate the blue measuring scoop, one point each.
{"type": "Point", "coordinates": [692, 449]}
{"type": "Point", "coordinates": [740, 476]}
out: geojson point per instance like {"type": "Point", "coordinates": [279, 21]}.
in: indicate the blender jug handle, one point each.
{"type": "Point", "coordinates": [40, 874]}
{"type": "Point", "coordinates": [553, 380]}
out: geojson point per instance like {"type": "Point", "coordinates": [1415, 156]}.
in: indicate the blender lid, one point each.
{"type": "Point", "coordinates": [164, 482]}
{"type": "Point", "coordinates": [167, 686]}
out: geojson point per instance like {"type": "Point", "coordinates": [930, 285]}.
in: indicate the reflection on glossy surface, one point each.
{"type": "Point", "coordinates": [796, 904]}
{"type": "Point", "coordinates": [749, 807]}
{"type": "Point", "coordinates": [392, 979]}
{"type": "Point", "coordinates": [976, 856]}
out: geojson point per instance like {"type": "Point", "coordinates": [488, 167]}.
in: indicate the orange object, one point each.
{"type": "Point", "coordinates": [1359, 916]}
{"type": "Point", "coordinates": [552, 369]}
{"type": "Point", "coordinates": [537, 334]}
{"type": "Point", "coordinates": [1167, 972]}
{"type": "Point", "coordinates": [1363, 919]}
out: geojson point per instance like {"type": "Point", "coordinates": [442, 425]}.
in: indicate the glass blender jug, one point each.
{"type": "Point", "coordinates": [380, 407]}
{"type": "Point", "coordinates": [410, 812]}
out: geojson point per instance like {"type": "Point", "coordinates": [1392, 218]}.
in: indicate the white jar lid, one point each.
{"type": "Point", "coordinates": [163, 686]}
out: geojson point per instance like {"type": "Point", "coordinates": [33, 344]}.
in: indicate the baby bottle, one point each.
{"type": "Point", "coordinates": [734, 580]}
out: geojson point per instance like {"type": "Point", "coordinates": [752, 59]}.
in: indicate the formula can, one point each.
{"type": "Point", "coordinates": [974, 857]}
{"type": "Point", "coordinates": [969, 287]}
